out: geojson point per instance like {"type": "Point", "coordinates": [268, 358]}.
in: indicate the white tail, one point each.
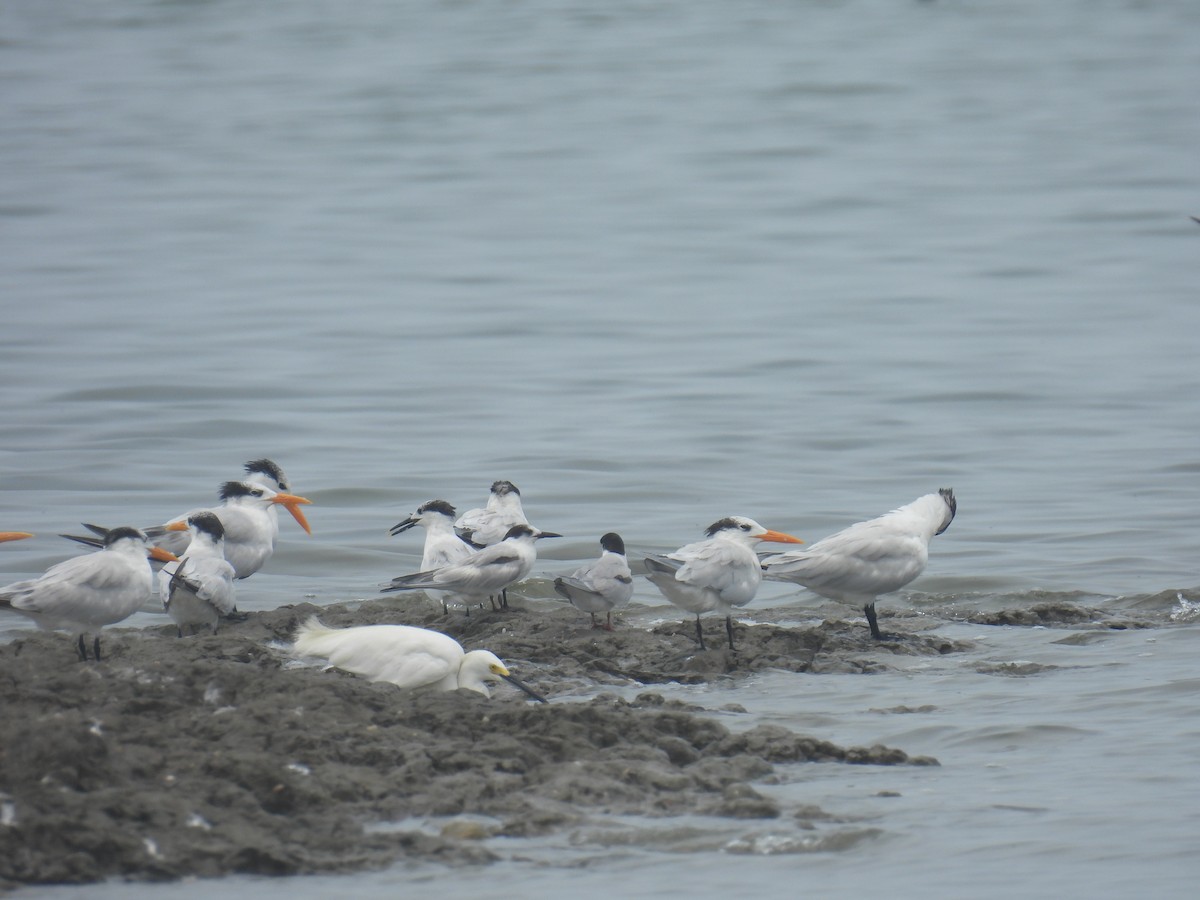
{"type": "Point", "coordinates": [309, 638]}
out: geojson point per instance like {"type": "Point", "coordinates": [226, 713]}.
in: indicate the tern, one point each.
{"type": "Point", "coordinates": [85, 593]}
{"type": "Point", "coordinates": [198, 590]}
{"type": "Point", "coordinates": [264, 473]}
{"type": "Point", "coordinates": [602, 585]}
{"type": "Point", "coordinates": [858, 564]}
{"type": "Point", "coordinates": [443, 547]}
{"type": "Point", "coordinates": [490, 525]}
{"type": "Point", "coordinates": [718, 574]}
{"type": "Point", "coordinates": [404, 656]}
{"type": "Point", "coordinates": [244, 514]}
{"type": "Point", "coordinates": [483, 574]}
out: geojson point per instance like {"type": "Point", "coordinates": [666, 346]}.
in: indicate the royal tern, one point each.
{"type": "Point", "coordinates": [718, 574]}
{"type": "Point", "coordinates": [14, 536]}
{"type": "Point", "coordinates": [602, 585]}
{"type": "Point", "coordinates": [483, 574]}
{"type": "Point", "coordinates": [443, 547]}
{"type": "Point", "coordinates": [85, 593]}
{"type": "Point", "coordinates": [404, 656]}
{"type": "Point", "coordinates": [263, 472]}
{"type": "Point", "coordinates": [244, 514]}
{"type": "Point", "coordinates": [859, 563]}
{"type": "Point", "coordinates": [198, 590]}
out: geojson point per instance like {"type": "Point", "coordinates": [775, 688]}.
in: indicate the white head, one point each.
{"type": "Point", "coordinates": [481, 666]}
{"type": "Point", "coordinates": [478, 668]}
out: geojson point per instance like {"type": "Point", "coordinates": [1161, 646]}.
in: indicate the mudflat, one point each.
{"type": "Point", "coordinates": [215, 754]}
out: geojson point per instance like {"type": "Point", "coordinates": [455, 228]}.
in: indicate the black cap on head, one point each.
{"type": "Point", "coordinates": [612, 543]}
{"type": "Point", "coordinates": [505, 487]}
{"type": "Point", "coordinates": [208, 523]}
{"type": "Point", "coordinates": [438, 506]}
{"type": "Point", "coordinates": [124, 531]}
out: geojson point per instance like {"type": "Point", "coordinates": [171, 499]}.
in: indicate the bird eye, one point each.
{"type": "Point", "coordinates": [744, 527]}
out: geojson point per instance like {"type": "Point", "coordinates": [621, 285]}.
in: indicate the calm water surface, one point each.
{"type": "Point", "coordinates": [658, 263]}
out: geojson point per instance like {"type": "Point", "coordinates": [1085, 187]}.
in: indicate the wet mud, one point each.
{"type": "Point", "coordinates": [218, 754]}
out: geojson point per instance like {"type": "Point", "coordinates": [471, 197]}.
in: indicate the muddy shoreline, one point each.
{"type": "Point", "coordinates": [218, 754]}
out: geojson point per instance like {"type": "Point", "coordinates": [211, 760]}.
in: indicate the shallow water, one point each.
{"type": "Point", "coordinates": [657, 264]}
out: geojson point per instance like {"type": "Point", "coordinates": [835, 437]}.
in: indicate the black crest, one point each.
{"type": "Point", "coordinates": [439, 506]}
{"type": "Point", "coordinates": [267, 467]}
{"type": "Point", "coordinates": [948, 496]}
{"type": "Point", "coordinates": [232, 489]}
{"type": "Point", "coordinates": [118, 534]}
{"type": "Point", "coordinates": [504, 487]}
{"type": "Point", "coordinates": [726, 524]}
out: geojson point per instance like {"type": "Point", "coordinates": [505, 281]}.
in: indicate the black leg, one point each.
{"type": "Point", "coordinates": [700, 633]}
{"type": "Point", "coordinates": [81, 649]}
{"type": "Point", "coordinates": [729, 630]}
{"type": "Point", "coordinates": [504, 598]}
{"type": "Point", "coordinates": [869, 611]}
{"type": "Point", "coordinates": [96, 647]}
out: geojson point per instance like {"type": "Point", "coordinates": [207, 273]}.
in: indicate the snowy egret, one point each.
{"type": "Point", "coordinates": [717, 574]}
{"type": "Point", "coordinates": [405, 656]}
{"type": "Point", "coordinates": [602, 585]}
{"type": "Point", "coordinates": [85, 593]}
{"type": "Point", "coordinates": [867, 559]}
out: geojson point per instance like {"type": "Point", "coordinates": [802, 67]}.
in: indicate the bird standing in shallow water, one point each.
{"type": "Point", "coordinates": [600, 586]}
{"type": "Point", "coordinates": [85, 593]}
{"type": "Point", "coordinates": [405, 656]}
{"type": "Point", "coordinates": [718, 574]}
{"type": "Point", "coordinates": [867, 559]}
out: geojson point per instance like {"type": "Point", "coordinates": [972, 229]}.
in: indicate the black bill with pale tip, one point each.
{"type": "Point", "coordinates": [401, 527]}
{"type": "Point", "coordinates": [530, 691]}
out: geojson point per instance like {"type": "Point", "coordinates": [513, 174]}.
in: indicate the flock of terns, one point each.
{"type": "Point", "coordinates": [467, 560]}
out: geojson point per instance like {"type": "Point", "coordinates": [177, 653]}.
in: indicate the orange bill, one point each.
{"type": "Point", "coordinates": [162, 555]}
{"type": "Point", "coordinates": [778, 537]}
{"type": "Point", "coordinates": [292, 503]}
{"type": "Point", "coordinates": [14, 535]}
{"type": "Point", "coordinates": [181, 525]}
